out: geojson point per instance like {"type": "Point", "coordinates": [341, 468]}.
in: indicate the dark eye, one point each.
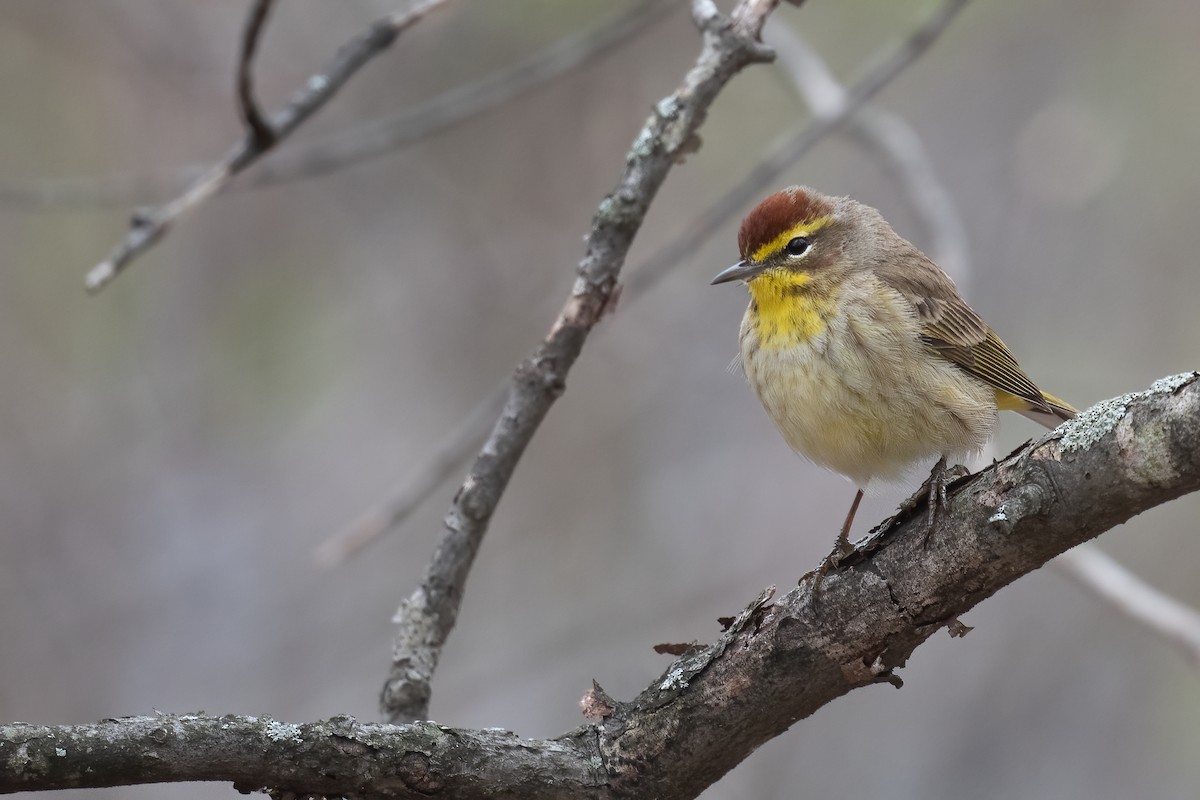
{"type": "Point", "coordinates": [797, 246]}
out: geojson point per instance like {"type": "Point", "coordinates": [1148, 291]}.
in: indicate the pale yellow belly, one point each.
{"type": "Point", "coordinates": [851, 400]}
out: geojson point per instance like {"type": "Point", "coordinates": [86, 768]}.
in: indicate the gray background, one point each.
{"type": "Point", "coordinates": [173, 451]}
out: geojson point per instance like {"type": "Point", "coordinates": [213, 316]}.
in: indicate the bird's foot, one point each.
{"type": "Point", "coordinates": [934, 488]}
{"type": "Point", "coordinates": [841, 549]}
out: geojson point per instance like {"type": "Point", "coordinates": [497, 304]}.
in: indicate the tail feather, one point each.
{"type": "Point", "coordinates": [1053, 412]}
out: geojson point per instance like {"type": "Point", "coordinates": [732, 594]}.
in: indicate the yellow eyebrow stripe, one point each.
{"type": "Point", "coordinates": [807, 228]}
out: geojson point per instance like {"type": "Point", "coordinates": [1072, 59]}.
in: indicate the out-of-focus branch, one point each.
{"type": "Point", "coordinates": [888, 137]}
{"type": "Point", "coordinates": [457, 446]}
{"type": "Point", "coordinates": [386, 136]}
{"type": "Point", "coordinates": [1104, 577]}
{"type": "Point", "coordinates": [355, 145]}
{"type": "Point", "coordinates": [256, 20]}
{"type": "Point", "coordinates": [148, 226]}
{"type": "Point", "coordinates": [779, 661]}
{"type": "Point", "coordinates": [428, 616]}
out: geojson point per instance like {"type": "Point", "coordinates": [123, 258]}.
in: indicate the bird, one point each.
{"type": "Point", "coordinates": [863, 352]}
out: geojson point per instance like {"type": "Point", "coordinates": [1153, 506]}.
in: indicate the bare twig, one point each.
{"type": "Point", "coordinates": [1101, 575]}
{"type": "Point", "coordinates": [262, 133]}
{"type": "Point", "coordinates": [148, 226]}
{"type": "Point", "coordinates": [355, 145]}
{"type": "Point", "coordinates": [457, 446]}
{"type": "Point", "coordinates": [427, 617]}
{"type": "Point", "coordinates": [388, 135]}
{"type": "Point", "coordinates": [779, 661]}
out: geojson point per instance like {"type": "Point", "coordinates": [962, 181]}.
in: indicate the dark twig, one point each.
{"type": "Point", "coordinates": [457, 446]}
{"type": "Point", "coordinates": [371, 140]}
{"type": "Point", "coordinates": [147, 227]}
{"type": "Point", "coordinates": [427, 617]}
{"type": "Point", "coordinates": [261, 132]}
{"type": "Point", "coordinates": [779, 661]}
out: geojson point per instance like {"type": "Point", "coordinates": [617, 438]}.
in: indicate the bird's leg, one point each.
{"type": "Point", "coordinates": [843, 545]}
{"type": "Point", "coordinates": [939, 479]}
{"type": "Point", "coordinates": [841, 548]}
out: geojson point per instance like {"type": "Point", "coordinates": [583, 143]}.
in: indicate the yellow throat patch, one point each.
{"type": "Point", "coordinates": [787, 310]}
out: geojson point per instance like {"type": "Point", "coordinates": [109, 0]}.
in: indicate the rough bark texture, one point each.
{"type": "Point", "coordinates": [779, 661]}
{"type": "Point", "coordinates": [338, 756]}
{"type": "Point", "coordinates": [783, 660]}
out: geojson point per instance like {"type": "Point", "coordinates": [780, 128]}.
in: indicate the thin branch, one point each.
{"type": "Point", "coordinates": [256, 20]}
{"type": "Point", "coordinates": [372, 140]}
{"type": "Point", "coordinates": [779, 661]}
{"type": "Point", "coordinates": [1101, 575]}
{"type": "Point", "coordinates": [428, 616]}
{"type": "Point", "coordinates": [391, 134]}
{"type": "Point", "coordinates": [148, 226]}
{"type": "Point", "coordinates": [457, 446]}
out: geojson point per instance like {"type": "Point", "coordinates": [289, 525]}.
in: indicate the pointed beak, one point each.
{"type": "Point", "coordinates": [744, 270]}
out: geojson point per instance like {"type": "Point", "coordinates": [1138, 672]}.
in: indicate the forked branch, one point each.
{"type": "Point", "coordinates": [149, 225]}
{"type": "Point", "coordinates": [427, 617]}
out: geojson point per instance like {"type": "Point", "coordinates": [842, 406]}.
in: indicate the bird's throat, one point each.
{"type": "Point", "coordinates": [788, 309]}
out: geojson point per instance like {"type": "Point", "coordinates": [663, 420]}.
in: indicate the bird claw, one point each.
{"type": "Point", "coordinates": [841, 549]}
{"type": "Point", "coordinates": [935, 489]}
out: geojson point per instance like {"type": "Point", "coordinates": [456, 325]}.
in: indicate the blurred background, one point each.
{"type": "Point", "coordinates": [174, 450]}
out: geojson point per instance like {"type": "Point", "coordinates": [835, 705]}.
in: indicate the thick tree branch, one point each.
{"type": "Point", "coordinates": [427, 617]}
{"type": "Point", "coordinates": [780, 661]}
{"type": "Point", "coordinates": [335, 757]}
{"type": "Point", "coordinates": [789, 658]}
{"type": "Point", "coordinates": [150, 225]}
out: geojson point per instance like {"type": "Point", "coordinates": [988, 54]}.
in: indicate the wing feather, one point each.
{"type": "Point", "coordinates": [954, 331]}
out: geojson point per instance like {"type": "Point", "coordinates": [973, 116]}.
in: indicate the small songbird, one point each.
{"type": "Point", "coordinates": [861, 349]}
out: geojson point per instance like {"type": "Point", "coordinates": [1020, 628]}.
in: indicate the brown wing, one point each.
{"type": "Point", "coordinates": [955, 331]}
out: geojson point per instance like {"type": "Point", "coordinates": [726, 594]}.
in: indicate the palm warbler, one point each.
{"type": "Point", "coordinates": [861, 349]}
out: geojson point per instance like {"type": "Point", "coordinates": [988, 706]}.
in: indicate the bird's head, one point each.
{"type": "Point", "coordinates": [799, 236]}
